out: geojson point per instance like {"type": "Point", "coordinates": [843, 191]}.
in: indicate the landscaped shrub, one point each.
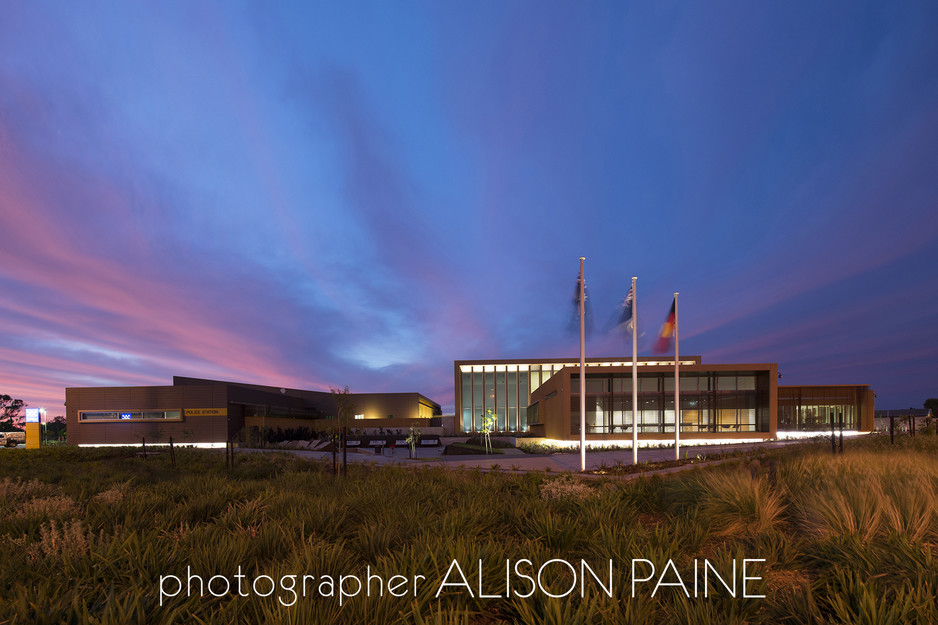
{"type": "Point", "coordinates": [496, 442]}
{"type": "Point", "coordinates": [735, 504]}
{"type": "Point", "coordinates": [566, 487]}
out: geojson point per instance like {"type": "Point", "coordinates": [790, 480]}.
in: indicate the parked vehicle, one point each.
{"type": "Point", "coordinates": [12, 439]}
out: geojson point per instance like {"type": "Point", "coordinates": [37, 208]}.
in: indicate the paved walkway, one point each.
{"type": "Point", "coordinates": [519, 461]}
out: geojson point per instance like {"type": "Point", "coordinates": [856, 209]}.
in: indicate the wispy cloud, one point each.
{"type": "Point", "coordinates": [345, 200]}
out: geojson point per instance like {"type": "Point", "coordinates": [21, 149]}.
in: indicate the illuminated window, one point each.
{"type": "Point", "coordinates": [130, 415]}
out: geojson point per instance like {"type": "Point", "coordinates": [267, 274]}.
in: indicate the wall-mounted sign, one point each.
{"type": "Point", "coordinates": [125, 415]}
{"type": "Point", "coordinates": [32, 415]}
{"type": "Point", "coordinates": [206, 412]}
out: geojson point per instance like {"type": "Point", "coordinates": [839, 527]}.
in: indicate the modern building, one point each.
{"type": "Point", "coordinates": [726, 401]}
{"type": "Point", "coordinates": [539, 397]}
{"type": "Point", "coordinates": [810, 408]}
{"type": "Point", "coordinates": [199, 411]}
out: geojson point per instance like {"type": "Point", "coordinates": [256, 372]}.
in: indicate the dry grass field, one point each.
{"type": "Point", "coordinates": [104, 536]}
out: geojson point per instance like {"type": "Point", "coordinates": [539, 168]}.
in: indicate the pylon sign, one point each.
{"type": "Point", "coordinates": [33, 428]}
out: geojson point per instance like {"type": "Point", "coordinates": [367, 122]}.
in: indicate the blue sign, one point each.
{"type": "Point", "coordinates": [32, 415]}
{"type": "Point", "coordinates": [125, 415]}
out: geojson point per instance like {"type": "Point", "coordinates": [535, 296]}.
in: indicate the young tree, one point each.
{"type": "Point", "coordinates": [10, 419]}
{"type": "Point", "coordinates": [345, 412]}
{"type": "Point", "coordinates": [488, 424]}
{"type": "Point", "coordinates": [413, 439]}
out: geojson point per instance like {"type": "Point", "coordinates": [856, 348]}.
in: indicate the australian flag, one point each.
{"type": "Point", "coordinates": [626, 323]}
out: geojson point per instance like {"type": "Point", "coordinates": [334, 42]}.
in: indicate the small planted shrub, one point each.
{"type": "Point", "coordinates": [736, 504]}
{"type": "Point", "coordinates": [60, 542]}
{"type": "Point", "coordinates": [566, 487]}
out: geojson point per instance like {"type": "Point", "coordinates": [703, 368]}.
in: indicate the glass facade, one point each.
{"type": "Point", "coordinates": [714, 402]}
{"type": "Point", "coordinates": [505, 389]}
{"type": "Point", "coordinates": [808, 409]}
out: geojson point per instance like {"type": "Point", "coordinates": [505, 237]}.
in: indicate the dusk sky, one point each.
{"type": "Point", "coordinates": [332, 194]}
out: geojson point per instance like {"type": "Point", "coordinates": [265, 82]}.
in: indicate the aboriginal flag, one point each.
{"type": "Point", "coordinates": [666, 334]}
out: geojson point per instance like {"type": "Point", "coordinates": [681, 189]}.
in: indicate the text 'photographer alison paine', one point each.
{"type": "Point", "coordinates": [557, 578]}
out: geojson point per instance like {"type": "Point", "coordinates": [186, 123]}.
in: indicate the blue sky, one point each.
{"type": "Point", "coordinates": [319, 194]}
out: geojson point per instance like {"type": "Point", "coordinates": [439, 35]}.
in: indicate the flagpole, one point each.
{"type": "Point", "coordinates": [582, 368]}
{"type": "Point", "coordinates": [634, 372]}
{"type": "Point", "coordinates": [677, 391]}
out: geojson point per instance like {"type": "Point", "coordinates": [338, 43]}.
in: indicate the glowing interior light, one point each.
{"type": "Point", "coordinates": [819, 433]}
{"type": "Point", "coordinates": [658, 442]}
{"type": "Point", "coordinates": [219, 445]}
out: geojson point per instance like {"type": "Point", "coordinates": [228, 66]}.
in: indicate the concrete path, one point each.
{"type": "Point", "coordinates": [556, 462]}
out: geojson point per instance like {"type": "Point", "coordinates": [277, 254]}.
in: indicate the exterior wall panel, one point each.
{"type": "Point", "coordinates": [394, 405]}
{"type": "Point", "coordinates": [287, 408]}
{"type": "Point", "coordinates": [205, 429]}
